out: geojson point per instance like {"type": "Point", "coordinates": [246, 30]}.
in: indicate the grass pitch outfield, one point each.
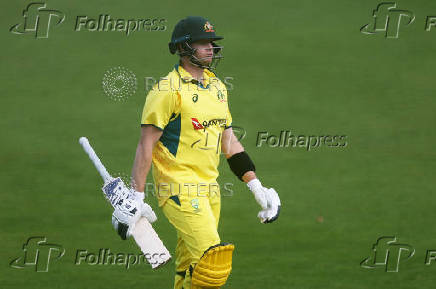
{"type": "Point", "coordinates": [301, 66]}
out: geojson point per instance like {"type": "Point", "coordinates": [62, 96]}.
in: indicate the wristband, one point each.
{"type": "Point", "coordinates": [240, 163]}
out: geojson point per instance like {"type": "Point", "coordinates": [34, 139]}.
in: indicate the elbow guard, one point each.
{"type": "Point", "coordinates": [241, 163]}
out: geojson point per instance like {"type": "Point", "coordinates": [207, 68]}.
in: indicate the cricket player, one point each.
{"type": "Point", "coordinates": [185, 125]}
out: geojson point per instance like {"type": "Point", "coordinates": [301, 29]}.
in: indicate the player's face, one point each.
{"type": "Point", "coordinates": [204, 50]}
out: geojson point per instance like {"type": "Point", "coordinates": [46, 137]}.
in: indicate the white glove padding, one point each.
{"type": "Point", "coordinates": [268, 199]}
{"type": "Point", "coordinates": [124, 223]}
{"type": "Point", "coordinates": [128, 212]}
{"type": "Point", "coordinates": [144, 208]}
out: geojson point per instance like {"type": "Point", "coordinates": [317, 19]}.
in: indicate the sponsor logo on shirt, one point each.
{"type": "Point", "coordinates": [196, 123]}
{"type": "Point", "coordinates": [206, 123]}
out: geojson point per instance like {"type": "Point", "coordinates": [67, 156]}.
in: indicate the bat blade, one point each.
{"type": "Point", "coordinates": [151, 246]}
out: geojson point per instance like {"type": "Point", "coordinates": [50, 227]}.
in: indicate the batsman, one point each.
{"type": "Point", "coordinates": [185, 126]}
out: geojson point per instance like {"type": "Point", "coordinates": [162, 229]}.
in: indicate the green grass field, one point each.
{"type": "Point", "coordinates": [296, 65]}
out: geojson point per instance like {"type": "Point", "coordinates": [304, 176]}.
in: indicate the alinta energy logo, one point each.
{"type": "Point", "coordinates": [37, 20]}
{"type": "Point", "coordinates": [388, 19]}
{"type": "Point", "coordinates": [37, 253]}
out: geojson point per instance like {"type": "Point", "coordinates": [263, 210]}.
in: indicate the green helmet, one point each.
{"type": "Point", "coordinates": [189, 30]}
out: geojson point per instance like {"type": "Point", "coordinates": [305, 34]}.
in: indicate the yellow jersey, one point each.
{"type": "Point", "coordinates": [192, 117]}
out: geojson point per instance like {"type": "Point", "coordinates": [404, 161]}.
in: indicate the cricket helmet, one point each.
{"type": "Point", "coordinates": [192, 29]}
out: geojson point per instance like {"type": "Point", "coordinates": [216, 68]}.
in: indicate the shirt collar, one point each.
{"type": "Point", "coordinates": [187, 77]}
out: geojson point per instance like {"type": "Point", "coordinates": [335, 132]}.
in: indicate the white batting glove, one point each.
{"type": "Point", "coordinates": [128, 212]}
{"type": "Point", "coordinates": [268, 199]}
{"type": "Point", "coordinates": [145, 209]}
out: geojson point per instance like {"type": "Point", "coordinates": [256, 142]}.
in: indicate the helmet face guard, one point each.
{"type": "Point", "coordinates": [188, 50]}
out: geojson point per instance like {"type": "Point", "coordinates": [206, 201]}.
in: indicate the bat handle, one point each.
{"type": "Point", "coordinates": [95, 160]}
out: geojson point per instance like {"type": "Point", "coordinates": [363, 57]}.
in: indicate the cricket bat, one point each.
{"type": "Point", "coordinates": [145, 237]}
